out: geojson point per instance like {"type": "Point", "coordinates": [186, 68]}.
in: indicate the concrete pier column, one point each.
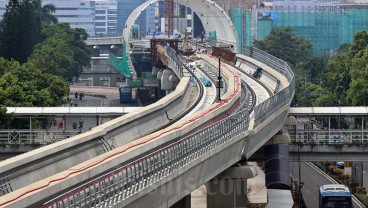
{"type": "Point", "coordinates": [277, 166]}
{"type": "Point", "coordinates": [183, 203]}
{"type": "Point", "coordinates": [229, 188]}
{"type": "Point", "coordinates": [357, 173]}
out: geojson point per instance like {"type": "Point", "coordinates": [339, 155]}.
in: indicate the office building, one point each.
{"type": "Point", "coordinates": [151, 18]}
{"type": "Point", "coordinates": [106, 17]}
{"type": "Point", "coordinates": [78, 13]}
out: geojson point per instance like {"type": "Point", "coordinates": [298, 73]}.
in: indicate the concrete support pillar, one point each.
{"type": "Point", "coordinates": [183, 203]}
{"type": "Point", "coordinates": [64, 122]}
{"type": "Point", "coordinates": [229, 189]}
{"type": "Point", "coordinates": [357, 173]}
{"type": "Point", "coordinates": [276, 154]}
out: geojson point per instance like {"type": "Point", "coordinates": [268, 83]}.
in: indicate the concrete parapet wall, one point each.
{"type": "Point", "coordinates": [263, 132]}
{"type": "Point", "coordinates": [135, 148]}
{"type": "Point", "coordinates": [51, 159]}
{"type": "Point", "coordinates": [170, 188]}
{"type": "Point", "coordinates": [176, 186]}
{"type": "Point", "coordinates": [104, 41]}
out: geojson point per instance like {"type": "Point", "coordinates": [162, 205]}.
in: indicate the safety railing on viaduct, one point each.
{"type": "Point", "coordinates": [281, 98]}
{"type": "Point", "coordinates": [131, 177]}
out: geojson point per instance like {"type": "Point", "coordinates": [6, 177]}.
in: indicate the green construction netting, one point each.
{"type": "Point", "coordinates": [148, 75]}
{"type": "Point", "coordinates": [135, 83]}
{"type": "Point", "coordinates": [211, 37]}
{"type": "Point", "coordinates": [248, 29]}
{"type": "Point", "coordinates": [237, 16]}
{"type": "Point", "coordinates": [327, 30]}
{"type": "Point", "coordinates": [122, 65]}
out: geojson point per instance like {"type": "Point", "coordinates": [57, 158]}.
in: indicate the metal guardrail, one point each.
{"type": "Point", "coordinates": [33, 137]}
{"type": "Point", "coordinates": [275, 63]}
{"type": "Point", "coordinates": [281, 98]}
{"type": "Point", "coordinates": [123, 182]}
{"type": "Point", "coordinates": [176, 59]}
{"type": "Point", "coordinates": [326, 136]}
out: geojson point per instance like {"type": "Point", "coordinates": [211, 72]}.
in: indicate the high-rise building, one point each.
{"type": "Point", "coordinates": [96, 17]}
{"type": "Point", "coordinates": [189, 21]}
{"type": "Point", "coordinates": [105, 17]}
{"type": "Point", "coordinates": [78, 13]}
{"type": "Point", "coordinates": [151, 18]}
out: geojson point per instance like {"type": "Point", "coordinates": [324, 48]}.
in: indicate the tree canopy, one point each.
{"type": "Point", "coordinates": [63, 51]}
{"type": "Point", "coordinates": [283, 43]}
{"type": "Point", "coordinates": [19, 31]}
{"type": "Point", "coordinates": [25, 85]}
{"type": "Point", "coordinates": [5, 119]}
{"type": "Point", "coordinates": [20, 28]}
{"type": "Point", "coordinates": [345, 80]}
{"type": "Point", "coordinates": [338, 79]}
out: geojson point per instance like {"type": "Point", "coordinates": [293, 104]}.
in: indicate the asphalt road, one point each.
{"type": "Point", "coordinates": [86, 101]}
{"type": "Point", "coordinates": [312, 180]}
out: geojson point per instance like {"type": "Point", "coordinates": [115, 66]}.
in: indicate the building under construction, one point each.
{"type": "Point", "coordinates": [328, 23]}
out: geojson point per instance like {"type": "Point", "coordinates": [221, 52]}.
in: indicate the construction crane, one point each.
{"type": "Point", "coordinates": [169, 17]}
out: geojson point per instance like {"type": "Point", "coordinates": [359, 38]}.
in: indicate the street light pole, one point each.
{"type": "Point", "coordinates": [219, 78]}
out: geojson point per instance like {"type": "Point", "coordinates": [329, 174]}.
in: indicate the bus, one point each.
{"type": "Point", "coordinates": [125, 94]}
{"type": "Point", "coordinates": [334, 196]}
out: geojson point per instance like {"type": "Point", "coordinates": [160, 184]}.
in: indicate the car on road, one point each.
{"type": "Point", "coordinates": [340, 165]}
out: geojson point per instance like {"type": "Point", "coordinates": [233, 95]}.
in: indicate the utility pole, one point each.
{"type": "Point", "coordinates": [219, 78]}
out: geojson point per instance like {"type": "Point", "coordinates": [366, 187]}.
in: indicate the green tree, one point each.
{"type": "Point", "coordinates": [45, 13]}
{"type": "Point", "coordinates": [286, 45]}
{"type": "Point", "coordinates": [20, 30]}
{"type": "Point", "coordinates": [335, 82]}
{"type": "Point", "coordinates": [357, 94]}
{"type": "Point", "coordinates": [25, 85]}
{"type": "Point", "coordinates": [360, 41]}
{"type": "Point", "coordinates": [63, 51]}
{"type": "Point", "coordinates": [5, 119]}
{"type": "Point", "coordinates": [344, 82]}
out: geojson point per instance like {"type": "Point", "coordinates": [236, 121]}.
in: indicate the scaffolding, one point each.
{"type": "Point", "coordinates": [237, 17]}
{"type": "Point", "coordinates": [328, 24]}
